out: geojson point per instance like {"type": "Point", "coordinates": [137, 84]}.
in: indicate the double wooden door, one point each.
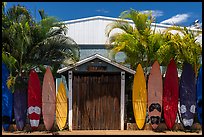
{"type": "Point", "coordinates": [96, 101]}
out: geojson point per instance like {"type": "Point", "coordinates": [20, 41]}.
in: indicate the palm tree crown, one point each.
{"type": "Point", "coordinates": [29, 44]}
{"type": "Point", "coordinates": [139, 42]}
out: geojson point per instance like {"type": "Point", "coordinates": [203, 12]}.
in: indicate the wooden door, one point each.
{"type": "Point", "coordinates": [96, 101]}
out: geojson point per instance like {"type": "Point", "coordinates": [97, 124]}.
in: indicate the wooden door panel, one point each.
{"type": "Point", "coordinates": [96, 101]}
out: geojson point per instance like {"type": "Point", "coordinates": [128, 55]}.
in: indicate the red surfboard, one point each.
{"type": "Point", "coordinates": [34, 99]}
{"type": "Point", "coordinates": [48, 99]}
{"type": "Point", "coordinates": [155, 91]}
{"type": "Point", "coordinates": [170, 94]}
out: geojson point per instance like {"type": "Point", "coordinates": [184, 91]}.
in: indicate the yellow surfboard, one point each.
{"type": "Point", "coordinates": [61, 106]}
{"type": "Point", "coordinates": [139, 97]}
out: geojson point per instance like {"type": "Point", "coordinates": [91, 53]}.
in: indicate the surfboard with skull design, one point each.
{"type": "Point", "coordinates": [155, 93]}
{"type": "Point", "coordinates": [34, 99]}
{"type": "Point", "coordinates": [187, 91]}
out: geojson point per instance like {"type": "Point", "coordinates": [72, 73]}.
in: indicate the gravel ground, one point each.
{"type": "Point", "coordinates": [102, 132]}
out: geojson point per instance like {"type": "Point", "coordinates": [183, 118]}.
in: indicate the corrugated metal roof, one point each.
{"type": "Point", "coordinates": [98, 56]}
{"type": "Point", "coordinates": [91, 30]}
{"type": "Point", "coordinates": [115, 19]}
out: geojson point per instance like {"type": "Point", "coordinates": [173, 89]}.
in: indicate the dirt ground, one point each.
{"type": "Point", "coordinates": [131, 130]}
{"type": "Point", "coordinates": [102, 132]}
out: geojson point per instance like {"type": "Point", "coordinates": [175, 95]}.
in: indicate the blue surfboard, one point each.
{"type": "Point", "coordinates": [7, 99]}
{"type": "Point", "coordinates": [187, 90]}
{"type": "Point", "coordinates": [199, 96]}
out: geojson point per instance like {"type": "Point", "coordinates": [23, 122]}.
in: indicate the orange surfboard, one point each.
{"type": "Point", "coordinates": [48, 99]}
{"type": "Point", "coordinates": [155, 91]}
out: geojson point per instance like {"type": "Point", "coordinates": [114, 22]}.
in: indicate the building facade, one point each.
{"type": "Point", "coordinates": [89, 34]}
{"type": "Point", "coordinates": [94, 103]}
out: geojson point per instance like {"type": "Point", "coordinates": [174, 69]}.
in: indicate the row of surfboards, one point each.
{"type": "Point", "coordinates": [164, 96]}
{"type": "Point", "coordinates": [28, 103]}
{"type": "Point", "coordinates": [161, 97]}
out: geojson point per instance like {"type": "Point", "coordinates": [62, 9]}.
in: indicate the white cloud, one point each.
{"type": "Point", "coordinates": [155, 13]}
{"type": "Point", "coordinates": [179, 18]}
{"type": "Point", "coordinates": [102, 10]}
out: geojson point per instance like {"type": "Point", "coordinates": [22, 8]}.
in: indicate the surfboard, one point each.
{"type": "Point", "coordinates": [7, 99]}
{"type": "Point", "coordinates": [65, 84]}
{"type": "Point", "coordinates": [61, 79]}
{"type": "Point", "coordinates": [34, 99]}
{"type": "Point", "coordinates": [199, 96]}
{"type": "Point", "coordinates": [61, 106]}
{"type": "Point", "coordinates": [139, 97]}
{"type": "Point", "coordinates": [187, 89]}
{"type": "Point", "coordinates": [20, 104]}
{"type": "Point", "coordinates": [155, 89]}
{"type": "Point", "coordinates": [170, 94]}
{"type": "Point", "coordinates": [48, 99]}
{"type": "Point", "coordinates": [66, 87]}
{"type": "Point", "coordinates": [57, 81]}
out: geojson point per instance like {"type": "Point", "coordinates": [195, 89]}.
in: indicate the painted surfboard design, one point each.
{"type": "Point", "coordinates": [139, 97]}
{"type": "Point", "coordinates": [170, 94]}
{"type": "Point", "coordinates": [187, 89]}
{"type": "Point", "coordinates": [34, 99]}
{"type": "Point", "coordinates": [155, 93]}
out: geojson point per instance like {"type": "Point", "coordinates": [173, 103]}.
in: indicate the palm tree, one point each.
{"type": "Point", "coordinates": [16, 39]}
{"type": "Point", "coordinates": [30, 44]}
{"type": "Point", "coordinates": [55, 50]}
{"type": "Point", "coordinates": [139, 42]}
{"type": "Point", "coordinates": [55, 47]}
{"type": "Point", "coordinates": [182, 47]}
{"type": "Point", "coordinates": [143, 45]}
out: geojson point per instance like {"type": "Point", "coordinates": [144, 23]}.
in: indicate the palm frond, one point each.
{"type": "Point", "coordinates": [120, 24]}
{"type": "Point", "coordinates": [17, 13]}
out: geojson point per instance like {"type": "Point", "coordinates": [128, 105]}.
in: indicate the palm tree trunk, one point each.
{"type": "Point", "coordinates": [146, 68]}
{"type": "Point", "coordinates": [195, 69]}
{"type": "Point", "coordinates": [21, 58]}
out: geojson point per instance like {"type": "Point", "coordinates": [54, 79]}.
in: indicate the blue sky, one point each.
{"type": "Point", "coordinates": [179, 13]}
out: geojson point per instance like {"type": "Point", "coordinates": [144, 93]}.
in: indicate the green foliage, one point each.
{"type": "Point", "coordinates": [143, 45]}
{"type": "Point", "coordinates": [138, 42]}
{"type": "Point", "coordinates": [182, 47]}
{"type": "Point", "coordinates": [10, 62]}
{"type": "Point", "coordinates": [29, 44]}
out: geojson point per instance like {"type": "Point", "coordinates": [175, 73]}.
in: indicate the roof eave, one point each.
{"type": "Point", "coordinates": [99, 57]}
